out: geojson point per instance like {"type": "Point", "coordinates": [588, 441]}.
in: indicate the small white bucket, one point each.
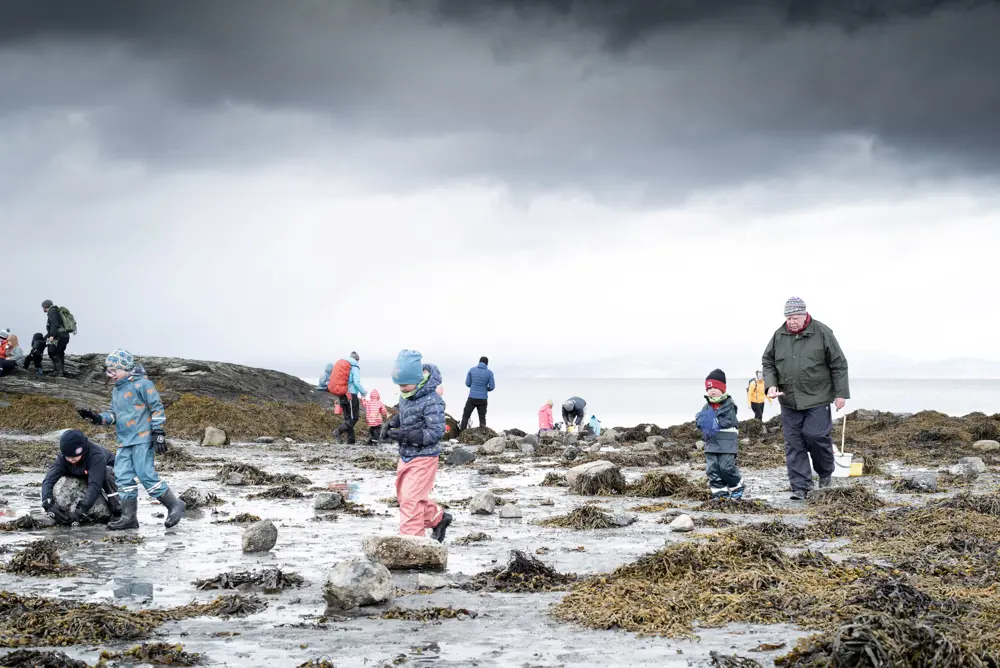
{"type": "Point", "coordinates": [842, 464]}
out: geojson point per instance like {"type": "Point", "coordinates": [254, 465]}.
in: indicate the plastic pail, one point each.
{"type": "Point", "coordinates": [842, 464]}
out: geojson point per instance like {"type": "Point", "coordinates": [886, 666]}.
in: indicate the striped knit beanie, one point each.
{"type": "Point", "coordinates": [795, 306]}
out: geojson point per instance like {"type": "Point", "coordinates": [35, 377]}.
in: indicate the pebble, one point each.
{"type": "Point", "coordinates": [682, 524]}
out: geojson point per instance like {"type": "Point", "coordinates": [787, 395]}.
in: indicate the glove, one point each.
{"type": "Point", "coordinates": [76, 516]}
{"type": "Point", "coordinates": [394, 421]}
{"type": "Point", "coordinates": [159, 442]}
{"type": "Point", "coordinates": [90, 415]}
{"type": "Point", "coordinates": [707, 422]}
{"type": "Point", "coordinates": [47, 504]}
{"type": "Point", "coordinates": [394, 435]}
{"type": "Point", "coordinates": [59, 513]}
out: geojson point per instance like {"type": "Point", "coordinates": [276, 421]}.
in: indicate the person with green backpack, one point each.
{"type": "Point", "coordinates": [59, 325]}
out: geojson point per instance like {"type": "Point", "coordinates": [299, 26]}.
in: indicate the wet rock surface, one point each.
{"type": "Point", "coordinates": [69, 492]}
{"type": "Point", "coordinates": [260, 537]}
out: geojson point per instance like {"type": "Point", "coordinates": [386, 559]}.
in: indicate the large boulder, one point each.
{"type": "Point", "coordinates": [969, 467]}
{"type": "Point", "coordinates": [460, 456]}
{"type": "Point", "coordinates": [357, 583]}
{"type": "Point", "coordinates": [69, 492]}
{"type": "Point", "coordinates": [214, 437]}
{"type": "Point", "coordinates": [986, 446]}
{"type": "Point", "coordinates": [260, 537]}
{"type": "Point", "coordinates": [406, 552]}
{"type": "Point", "coordinates": [596, 477]}
{"type": "Point", "coordinates": [494, 446]}
{"type": "Point", "coordinates": [328, 501]}
{"type": "Point", "coordinates": [483, 503]}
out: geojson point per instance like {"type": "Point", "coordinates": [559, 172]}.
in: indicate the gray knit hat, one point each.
{"type": "Point", "coordinates": [795, 306]}
{"type": "Point", "coordinates": [47, 303]}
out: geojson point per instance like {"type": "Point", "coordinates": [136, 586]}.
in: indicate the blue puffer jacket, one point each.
{"type": "Point", "coordinates": [354, 385]}
{"type": "Point", "coordinates": [136, 409]}
{"type": "Point", "coordinates": [719, 427]}
{"type": "Point", "coordinates": [480, 381]}
{"type": "Point", "coordinates": [424, 411]}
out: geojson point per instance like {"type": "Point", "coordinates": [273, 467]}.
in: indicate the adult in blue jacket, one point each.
{"type": "Point", "coordinates": [480, 382]}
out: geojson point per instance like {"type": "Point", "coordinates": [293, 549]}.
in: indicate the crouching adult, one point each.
{"type": "Point", "coordinates": [80, 458]}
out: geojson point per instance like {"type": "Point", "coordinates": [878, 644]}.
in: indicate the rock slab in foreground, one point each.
{"type": "Point", "coordinates": [406, 552]}
{"type": "Point", "coordinates": [357, 583]}
{"type": "Point", "coordinates": [592, 477]}
{"type": "Point", "coordinates": [260, 537]}
{"type": "Point", "coordinates": [68, 492]}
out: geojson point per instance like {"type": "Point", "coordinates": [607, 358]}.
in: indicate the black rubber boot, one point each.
{"type": "Point", "coordinates": [825, 482]}
{"type": "Point", "coordinates": [799, 494]}
{"type": "Point", "coordinates": [175, 508]}
{"type": "Point", "coordinates": [437, 533]}
{"type": "Point", "coordinates": [128, 520]}
{"type": "Point", "coordinates": [115, 507]}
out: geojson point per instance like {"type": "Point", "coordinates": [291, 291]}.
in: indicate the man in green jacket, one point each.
{"type": "Point", "coordinates": [806, 369]}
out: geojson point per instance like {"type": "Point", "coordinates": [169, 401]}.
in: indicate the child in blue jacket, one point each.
{"type": "Point", "coordinates": [138, 416]}
{"type": "Point", "coordinates": [718, 423]}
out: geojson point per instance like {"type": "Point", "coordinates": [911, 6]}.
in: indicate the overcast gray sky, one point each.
{"type": "Point", "coordinates": [546, 182]}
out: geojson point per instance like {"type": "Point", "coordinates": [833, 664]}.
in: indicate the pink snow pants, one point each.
{"type": "Point", "coordinates": [414, 481]}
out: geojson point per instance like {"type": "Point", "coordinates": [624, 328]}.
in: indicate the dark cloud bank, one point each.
{"type": "Point", "coordinates": [651, 98]}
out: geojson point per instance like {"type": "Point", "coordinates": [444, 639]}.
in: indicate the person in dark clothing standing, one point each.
{"type": "Point", "coordinates": [573, 411]}
{"type": "Point", "coordinates": [80, 458]}
{"type": "Point", "coordinates": [481, 382]}
{"type": "Point", "coordinates": [56, 336]}
{"type": "Point", "coordinates": [806, 369]}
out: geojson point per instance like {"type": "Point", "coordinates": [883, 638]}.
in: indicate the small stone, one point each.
{"type": "Point", "coordinates": [289, 440]}
{"type": "Point", "coordinates": [682, 524]}
{"type": "Point", "coordinates": [357, 583]}
{"type": "Point", "coordinates": [428, 581]}
{"type": "Point", "coordinates": [490, 469]}
{"type": "Point", "coordinates": [328, 501]}
{"type": "Point", "coordinates": [623, 519]}
{"type": "Point", "coordinates": [547, 502]}
{"type": "Point", "coordinates": [510, 512]}
{"type": "Point", "coordinates": [571, 453]}
{"type": "Point", "coordinates": [923, 482]}
{"type": "Point", "coordinates": [483, 503]}
{"type": "Point", "coordinates": [406, 552]}
{"type": "Point", "coordinates": [214, 437]}
{"type": "Point", "coordinates": [260, 537]}
{"type": "Point", "coordinates": [744, 441]}
{"type": "Point", "coordinates": [774, 430]}
{"type": "Point", "coordinates": [235, 479]}
{"type": "Point", "coordinates": [494, 446]}
{"type": "Point", "coordinates": [595, 448]}
{"type": "Point", "coordinates": [531, 440]}
{"type": "Point", "coordinates": [969, 467]}
{"type": "Point", "coordinates": [460, 456]}
{"type": "Point", "coordinates": [194, 498]}
{"type": "Point", "coordinates": [646, 447]}
{"type": "Point", "coordinates": [986, 446]}
{"type": "Point", "coordinates": [672, 512]}
{"type": "Point", "coordinates": [265, 439]}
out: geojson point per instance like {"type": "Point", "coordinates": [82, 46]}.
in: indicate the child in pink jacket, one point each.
{"type": "Point", "coordinates": [545, 420]}
{"type": "Point", "coordinates": [375, 412]}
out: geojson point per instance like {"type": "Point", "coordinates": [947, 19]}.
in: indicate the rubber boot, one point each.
{"type": "Point", "coordinates": [60, 365]}
{"type": "Point", "coordinates": [825, 482]}
{"type": "Point", "coordinates": [438, 532]}
{"type": "Point", "coordinates": [175, 508]}
{"type": "Point", "coordinates": [115, 507]}
{"type": "Point", "coordinates": [128, 520]}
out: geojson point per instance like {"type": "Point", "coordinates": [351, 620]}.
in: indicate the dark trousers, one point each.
{"type": "Point", "coordinates": [35, 357]}
{"type": "Point", "coordinates": [807, 437]}
{"type": "Point", "coordinates": [349, 410]}
{"type": "Point", "coordinates": [473, 404]}
{"type": "Point", "coordinates": [375, 434]}
{"type": "Point", "coordinates": [7, 367]}
{"type": "Point", "coordinates": [57, 354]}
{"type": "Point", "coordinates": [111, 491]}
{"type": "Point", "coordinates": [723, 473]}
{"type": "Point", "coordinates": [758, 410]}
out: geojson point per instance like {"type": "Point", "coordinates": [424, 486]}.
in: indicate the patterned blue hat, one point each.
{"type": "Point", "coordinates": [120, 359]}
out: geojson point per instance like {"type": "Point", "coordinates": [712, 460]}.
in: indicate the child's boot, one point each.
{"type": "Point", "coordinates": [128, 520]}
{"type": "Point", "coordinates": [437, 533]}
{"type": "Point", "coordinates": [175, 508]}
{"type": "Point", "coordinates": [719, 493]}
{"type": "Point", "coordinates": [736, 493]}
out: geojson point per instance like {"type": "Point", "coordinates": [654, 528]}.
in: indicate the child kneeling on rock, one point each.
{"type": "Point", "coordinates": [718, 422]}
{"type": "Point", "coordinates": [138, 416]}
{"type": "Point", "coordinates": [418, 428]}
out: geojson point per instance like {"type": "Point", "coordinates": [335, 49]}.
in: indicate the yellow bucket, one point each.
{"type": "Point", "coordinates": [857, 468]}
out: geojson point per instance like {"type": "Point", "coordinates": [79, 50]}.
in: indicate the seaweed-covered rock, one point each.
{"type": "Point", "coordinates": [357, 583]}
{"type": "Point", "coordinates": [494, 446]}
{"type": "Point", "coordinates": [459, 456]}
{"type": "Point", "coordinates": [926, 482]}
{"type": "Point", "coordinates": [214, 437]}
{"type": "Point", "coordinates": [194, 498]}
{"type": "Point", "coordinates": [551, 436]}
{"type": "Point", "coordinates": [599, 477]}
{"type": "Point", "coordinates": [30, 658]}
{"type": "Point", "coordinates": [69, 492]}
{"type": "Point", "coordinates": [328, 501]}
{"type": "Point", "coordinates": [260, 537]}
{"type": "Point", "coordinates": [655, 439]}
{"type": "Point", "coordinates": [476, 436]}
{"type": "Point", "coordinates": [483, 503]}
{"type": "Point", "coordinates": [571, 453]}
{"type": "Point", "coordinates": [406, 552]}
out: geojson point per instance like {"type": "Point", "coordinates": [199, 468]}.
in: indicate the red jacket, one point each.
{"type": "Point", "coordinates": [4, 345]}
{"type": "Point", "coordinates": [545, 420]}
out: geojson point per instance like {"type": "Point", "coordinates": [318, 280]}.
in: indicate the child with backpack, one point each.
{"type": "Point", "coordinates": [418, 428]}
{"type": "Point", "coordinates": [719, 424]}
{"type": "Point", "coordinates": [34, 356]}
{"type": "Point", "coordinates": [375, 412]}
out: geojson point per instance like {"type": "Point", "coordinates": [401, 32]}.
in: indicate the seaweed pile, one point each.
{"type": "Point", "coordinates": [738, 507]}
{"type": "Point", "coordinates": [580, 519]}
{"type": "Point", "coordinates": [24, 523]}
{"type": "Point", "coordinates": [731, 661]}
{"type": "Point", "coordinates": [35, 621]}
{"type": "Point", "coordinates": [656, 484]}
{"type": "Point", "coordinates": [156, 653]}
{"type": "Point", "coordinates": [854, 497]}
{"type": "Point", "coordinates": [357, 509]}
{"type": "Point", "coordinates": [177, 459]}
{"type": "Point", "coordinates": [34, 414]}
{"type": "Point", "coordinates": [279, 492]}
{"type": "Point", "coordinates": [477, 537]}
{"type": "Point", "coordinates": [123, 539]}
{"type": "Point", "coordinates": [654, 507]}
{"type": "Point", "coordinates": [255, 476]}
{"type": "Point", "coordinates": [242, 518]}
{"type": "Point", "coordinates": [639, 433]}
{"type": "Point", "coordinates": [427, 614]}
{"type": "Point", "coordinates": [523, 573]}
{"type": "Point", "coordinates": [711, 522]}
{"type": "Point", "coordinates": [40, 559]}
{"type": "Point", "coordinates": [779, 530]}
{"type": "Point", "coordinates": [270, 580]}
{"type": "Point", "coordinates": [30, 658]}
{"type": "Point", "coordinates": [375, 462]}
{"type": "Point", "coordinates": [553, 479]}
{"type": "Point", "coordinates": [476, 436]}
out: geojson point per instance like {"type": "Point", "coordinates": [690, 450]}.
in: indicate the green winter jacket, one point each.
{"type": "Point", "coordinates": [809, 368]}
